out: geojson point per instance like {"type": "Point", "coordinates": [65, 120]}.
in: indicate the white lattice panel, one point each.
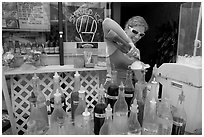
{"type": "Point", "coordinates": [21, 85]}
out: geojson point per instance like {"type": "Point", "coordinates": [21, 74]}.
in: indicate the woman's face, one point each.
{"type": "Point", "coordinates": [135, 33]}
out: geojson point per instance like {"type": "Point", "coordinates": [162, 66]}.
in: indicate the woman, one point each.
{"type": "Point", "coordinates": [135, 29]}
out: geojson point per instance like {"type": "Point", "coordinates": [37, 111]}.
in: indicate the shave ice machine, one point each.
{"type": "Point", "coordinates": [186, 73]}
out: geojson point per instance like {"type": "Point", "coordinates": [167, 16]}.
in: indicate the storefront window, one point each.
{"type": "Point", "coordinates": [30, 23]}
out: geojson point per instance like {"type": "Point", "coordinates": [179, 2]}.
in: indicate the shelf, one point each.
{"type": "Point", "coordinates": [37, 30]}
{"type": "Point", "coordinates": [56, 21]}
{"type": "Point", "coordinates": [51, 69]}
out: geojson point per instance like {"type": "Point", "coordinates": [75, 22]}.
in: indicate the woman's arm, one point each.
{"type": "Point", "coordinates": [109, 24]}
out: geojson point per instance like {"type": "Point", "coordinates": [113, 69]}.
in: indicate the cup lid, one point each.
{"type": "Point", "coordinates": [138, 65]}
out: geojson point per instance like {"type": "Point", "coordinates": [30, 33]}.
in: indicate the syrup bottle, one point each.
{"type": "Point", "coordinates": [120, 112]}
{"type": "Point", "coordinates": [107, 127]}
{"type": "Point", "coordinates": [140, 101]}
{"type": "Point", "coordinates": [78, 119]}
{"type": "Point", "coordinates": [99, 110]}
{"type": "Point", "coordinates": [41, 100]}
{"type": "Point", "coordinates": [58, 116]}
{"type": "Point", "coordinates": [36, 122]}
{"type": "Point", "coordinates": [134, 127]}
{"type": "Point", "coordinates": [87, 130]}
{"type": "Point", "coordinates": [129, 89]}
{"type": "Point", "coordinates": [150, 126]}
{"type": "Point", "coordinates": [75, 93]}
{"type": "Point", "coordinates": [179, 117]}
{"type": "Point", "coordinates": [112, 92]}
{"type": "Point", "coordinates": [56, 82]}
{"type": "Point", "coordinates": [165, 118]}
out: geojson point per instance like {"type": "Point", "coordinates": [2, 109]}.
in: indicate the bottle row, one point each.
{"type": "Point", "coordinates": [23, 48]}
{"type": "Point", "coordinates": [122, 109]}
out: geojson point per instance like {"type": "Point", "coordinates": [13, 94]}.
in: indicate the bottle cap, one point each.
{"type": "Point", "coordinates": [81, 93]}
{"type": "Point", "coordinates": [56, 76]}
{"type": "Point", "coordinates": [134, 106]}
{"type": "Point", "coordinates": [76, 74]}
{"type": "Point", "coordinates": [108, 108]}
{"type": "Point", "coordinates": [32, 98]}
{"type": "Point", "coordinates": [121, 85]}
{"type": "Point", "coordinates": [57, 95]}
{"type": "Point", "coordinates": [101, 90]}
{"type": "Point", "coordinates": [86, 113]}
{"type": "Point", "coordinates": [181, 96]}
{"type": "Point", "coordinates": [35, 76]}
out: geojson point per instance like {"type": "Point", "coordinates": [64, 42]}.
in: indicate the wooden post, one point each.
{"type": "Point", "coordinates": [8, 104]}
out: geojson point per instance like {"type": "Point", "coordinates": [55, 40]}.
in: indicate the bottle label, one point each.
{"type": "Point", "coordinates": [100, 115]}
{"type": "Point", "coordinates": [177, 123]}
{"type": "Point", "coordinates": [111, 97]}
{"type": "Point", "coordinates": [40, 105]}
{"type": "Point", "coordinates": [120, 114]}
{"type": "Point", "coordinates": [75, 102]}
{"type": "Point", "coordinates": [128, 95]}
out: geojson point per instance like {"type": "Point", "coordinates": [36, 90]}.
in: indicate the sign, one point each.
{"type": "Point", "coordinates": [26, 15]}
{"type": "Point", "coordinates": [84, 24]}
{"type": "Point", "coordinates": [34, 15]}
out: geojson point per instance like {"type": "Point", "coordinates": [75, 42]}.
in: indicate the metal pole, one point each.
{"type": "Point", "coordinates": [60, 24]}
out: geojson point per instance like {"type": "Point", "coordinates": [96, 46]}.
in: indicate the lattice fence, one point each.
{"type": "Point", "coordinates": [21, 85]}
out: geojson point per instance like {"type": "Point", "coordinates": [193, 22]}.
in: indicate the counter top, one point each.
{"type": "Point", "coordinates": [49, 69]}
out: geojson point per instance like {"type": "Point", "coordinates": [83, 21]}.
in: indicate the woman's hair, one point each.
{"type": "Point", "coordinates": [136, 21]}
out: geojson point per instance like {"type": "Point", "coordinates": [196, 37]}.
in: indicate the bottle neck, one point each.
{"type": "Point", "coordinates": [36, 88]}
{"type": "Point", "coordinates": [114, 78]}
{"type": "Point", "coordinates": [56, 84]}
{"type": "Point", "coordinates": [153, 109]}
{"type": "Point", "coordinates": [57, 101]}
{"type": "Point", "coordinates": [121, 92]}
{"type": "Point", "coordinates": [180, 105]}
{"type": "Point", "coordinates": [77, 84]}
{"type": "Point", "coordinates": [142, 80]}
{"type": "Point", "coordinates": [101, 99]}
{"type": "Point", "coordinates": [153, 91]}
{"type": "Point", "coordinates": [128, 81]}
{"type": "Point", "coordinates": [140, 92]}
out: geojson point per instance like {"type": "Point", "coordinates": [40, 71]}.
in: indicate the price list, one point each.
{"type": "Point", "coordinates": [34, 15]}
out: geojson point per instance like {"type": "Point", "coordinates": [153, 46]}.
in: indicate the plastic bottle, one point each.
{"type": "Point", "coordinates": [179, 117]}
{"type": "Point", "coordinates": [36, 122]}
{"type": "Point", "coordinates": [41, 100]}
{"type": "Point", "coordinates": [129, 89]}
{"type": "Point", "coordinates": [99, 110]}
{"type": "Point", "coordinates": [107, 81]}
{"type": "Point", "coordinates": [58, 116]}
{"type": "Point", "coordinates": [86, 127]}
{"type": "Point", "coordinates": [112, 92]}
{"type": "Point", "coordinates": [153, 80]}
{"type": "Point", "coordinates": [75, 93]}
{"type": "Point", "coordinates": [143, 84]}
{"type": "Point", "coordinates": [150, 125]}
{"type": "Point", "coordinates": [134, 127]}
{"type": "Point", "coordinates": [165, 119]}
{"type": "Point", "coordinates": [108, 127]}
{"type": "Point", "coordinates": [78, 119]}
{"type": "Point", "coordinates": [31, 128]}
{"type": "Point", "coordinates": [120, 112]}
{"type": "Point", "coordinates": [140, 101]}
{"type": "Point", "coordinates": [56, 82]}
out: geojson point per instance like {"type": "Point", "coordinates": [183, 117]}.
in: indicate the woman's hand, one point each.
{"type": "Point", "coordinates": [134, 52]}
